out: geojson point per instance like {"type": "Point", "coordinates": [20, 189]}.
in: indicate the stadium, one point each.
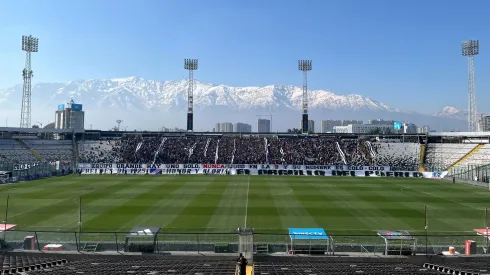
{"type": "Point", "coordinates": [382, 198]}
{"type": "Point", "coordinates": [270, 196]}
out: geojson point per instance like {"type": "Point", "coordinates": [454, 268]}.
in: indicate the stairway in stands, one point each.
{"type": "Point", "coordinates": [76, 153]}
{"type": "Point", "coordinates": [34, 153]}
{"type": "Point", "coordinates": [422, 158]}
{"type": "Point", "coordinates": [469, 154]}
{"type": "Point", "coordinates": [367, 153]}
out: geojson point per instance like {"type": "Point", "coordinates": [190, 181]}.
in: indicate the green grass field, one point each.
{"type": "Point", "coordinates": [270, 204]}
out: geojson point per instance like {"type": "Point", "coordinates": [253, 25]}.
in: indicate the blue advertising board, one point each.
{"type": "Point", "coordinates": [76, 107]}
{"type": "Point", "coordinates": [397, 125]}
{"type": "Point", "coordinates": [307, 234]}
{"type": "Point", "coordinates": [61, 107]}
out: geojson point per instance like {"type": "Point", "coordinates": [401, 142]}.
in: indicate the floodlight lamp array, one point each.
{"type": "Point", "coordinates": [190, 64]}
{"type": "Point", "coordinates": [304, 65]}
{"type": "Point", "coordinates": [30, 43]}
{"type": "Point", "coordinates": [470, 47]}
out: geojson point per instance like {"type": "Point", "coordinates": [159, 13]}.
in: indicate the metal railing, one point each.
{"type": "Point", "coordinates": [168, 242]}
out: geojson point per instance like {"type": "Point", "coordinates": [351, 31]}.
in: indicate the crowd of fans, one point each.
{"type": "Point", "coordinates": [241, 150]}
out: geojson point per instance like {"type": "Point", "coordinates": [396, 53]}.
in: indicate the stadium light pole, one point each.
{"type": "Point", "coordinates": [190, 65]}
{"type": "Point", "coordinates": [29, 45]}
{"type": "Point", "coordinates": [304, 66]}
{"type": "Point", "coordinates": [118, 124]}
{"type": "Point", "coordinates": [6, 216]}
{"type": "Point", "coordinates": [426, 228]}
{"type": "Point", "coordinates": [486, 227]}
{"type": "Point", "coordinates": [470, 48]}
{"type": "Point", "coordinates": [79, 215]}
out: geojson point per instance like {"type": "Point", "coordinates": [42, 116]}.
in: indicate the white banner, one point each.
{"type": "Point", "coordinates": [266, 172]}
{"type": "Point", "coordinates": [233, 166]}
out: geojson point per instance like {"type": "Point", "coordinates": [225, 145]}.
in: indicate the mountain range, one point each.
{"type": "Point", "coordinates": [152, 104]}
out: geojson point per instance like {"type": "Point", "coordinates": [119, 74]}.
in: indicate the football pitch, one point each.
{"type": "Point", "coordinates": [269, 204]}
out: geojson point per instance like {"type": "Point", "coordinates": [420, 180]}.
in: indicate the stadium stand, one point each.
{"type": "Point", "coordinates": [102, 151]}
{"type": "Point", "coordinates": [340, 266]}
{"type": "Point", "coordinates": [479, 156]}
{"type": "Point", "coordinates": [22, 263]}
{"type": "Point", "coordinates": [58, 264]}
{"type": "Point", "coordinates": [444, 155]}
{"type": "Point", "coordinates": [402, 156]}
{"type": "Point", "coordinates": [251, 150]}
{"type": "Point", "coordinates": [12, 151]}
{"type": "Point", "coordinates": [142, 265]}
{"type": "Point", "coordinates": [51, 150]}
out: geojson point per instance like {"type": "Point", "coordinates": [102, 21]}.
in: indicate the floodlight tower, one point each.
{"type": "Point", "coordinates": [471, 48]}
{"type": "Point", "coordinates": [119, 124]}
{"type": "Point", "coordinates": [304, 66]}
{"type": "Point", "coordinates": [190, 65]}
{"type": "Point", "coordinates": [29, 45]}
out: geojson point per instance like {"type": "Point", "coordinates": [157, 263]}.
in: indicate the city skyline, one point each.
{"type": "Point", "coordinates": [347, 61]}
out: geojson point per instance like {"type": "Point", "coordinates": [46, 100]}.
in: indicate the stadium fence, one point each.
{"type": "Point", "coordinates": [263, 244]}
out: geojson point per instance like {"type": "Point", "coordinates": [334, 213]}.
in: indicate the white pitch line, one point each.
{"type": "Point", "coordinates": [285, 193]}
{"type": "Point", "coordinates": [246, 203]}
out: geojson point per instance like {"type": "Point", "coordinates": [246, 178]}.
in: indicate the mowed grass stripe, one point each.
{"type": "Point", "coordinates": [392, 215]}
{"type": "Point", "coordinates": [39, 211]}
{"type": "Point", "coordinates": [414, 211]}
{"type": "Point", "coordinates": [291, 210]}
{"type": "Point", "coordinates": [116, 198]}
{"type": "Point", "coordinates": [342, 199]}
{"type": "Point", "coordinates": [230, 212]}
{"type": "Point", "coordinates": [442, 211]}
{"type": "Point", "coordinates": [123, 212]}
{"type": "Point", "coordinates": [164, 210]}
{"type": "Point", "coordinates": [69, 220]}
{"type": "Point", "coordinates": [199, 211]}
{"type": "Point", "coordinates": [262, 211]}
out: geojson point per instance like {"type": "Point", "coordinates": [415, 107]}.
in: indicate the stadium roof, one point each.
{"type": "Point", "coordinates": [460, 134]}
{"type": "Point", "coordinates": [38, 130]}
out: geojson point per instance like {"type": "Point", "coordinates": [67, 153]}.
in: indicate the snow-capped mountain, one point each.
{"type": "Point", "coordinates": [452, 112]}
{"type": "Point", "coordinates": [153, 104]}
{"type": "Point", "coordinates": [138, 93]}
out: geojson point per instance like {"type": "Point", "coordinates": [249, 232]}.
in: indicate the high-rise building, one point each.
{"type": "Point", "coordinates": [69, 116]}
{"type": "Point", "coordinates": [351, 121]}
{"type": "Point", "coordinates": [243, 127]}
{"type": "Point", "coordinates": [363, 128]}
{"type": "Point", "coordinates": [311, 126]}
{"type": "Point", "coordinates": [326, 126]}
{"type": "Point", "coordinates": [263, 125]}
{"type": "Point", "coordinates": [380, 122]}
{"type": "Point", "coordinates": [484, 123]}
{"type": "Point", "coordinates": [409, 128]}
{"type": "Point", "coordinates": [423, 130]}
{"type": "Point", "coordinates": [224, 127]}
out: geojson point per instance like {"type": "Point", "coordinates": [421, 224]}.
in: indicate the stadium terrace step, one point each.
{"type": "Point", "coordinates": [250, 270]}
{"type": "Point", "coordinates": [469, 154]}
{"type": "Point", "coordinates": [34, 153]}
{"type": "Point", "coordinates": [422, 158]}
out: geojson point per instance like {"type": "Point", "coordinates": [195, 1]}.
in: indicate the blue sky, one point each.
{"type": "Point", "coordinates": [403, 53]}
